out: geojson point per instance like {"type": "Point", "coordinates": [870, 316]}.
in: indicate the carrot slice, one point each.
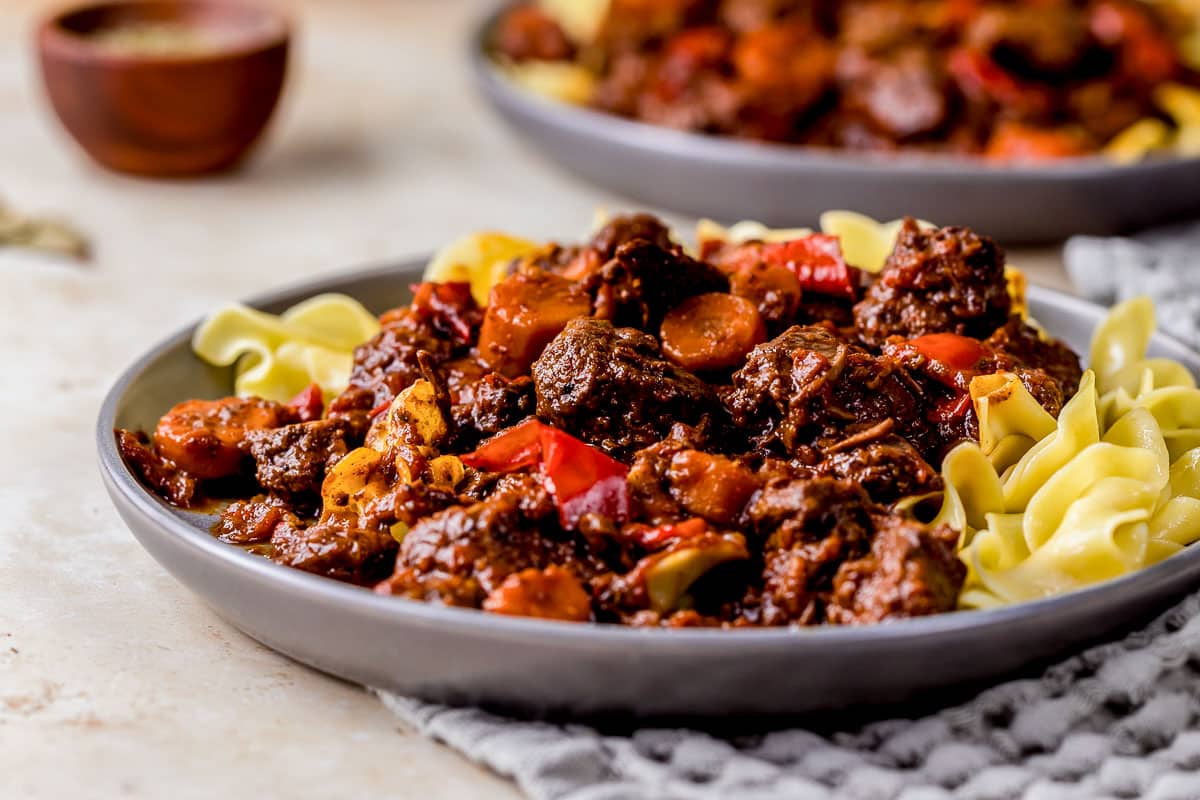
{"type": "Point", "coordinates": [525, 312]}
{"type": "Point", "coordinates": [204, 437]}
{"type": "Point", "coordinates": [711, 331]}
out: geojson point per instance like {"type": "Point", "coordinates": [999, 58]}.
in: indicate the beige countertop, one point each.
{"type": "Point", "coordinates": [114, 680]}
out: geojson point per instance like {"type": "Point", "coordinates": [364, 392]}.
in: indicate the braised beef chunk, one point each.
{"type": "Point", "coordinates": [675, 479]}
{"type": "Point", "coordinates": [912, 570]}
{"type": "Point", "coordinates": [643, 281]}
{"type": "Point", "coordinates": [294, 458]}
{"type": "Point", "coordinates": [387, 364]}
{"type": "Point", "coordinates": [1021, 342]}
{"type": "Point", "coordinates": [1047, 391]}
{"type": "Point", "coordinates": [462, 554]}
{"type": "Point", "coordinates": [335, 550]}
{"type": "Point", "coordinates": [788, 511]}
{"type": "Point", "coordinates": [612, 388]}
{"type": "Point", "coordinates": [784, 72]}
{"type": "Point", "coordinates": [527, 33]}
{"type": "Point", "coordinates": [648, 483]}
{"type": "Point", "coordinates": [493, 403]}
{"type": "Point", "coordinates": [355, 406]}
{"type": "Point", "coordinates": [809, 527]}
{"type": "Point", "coordinates": [164, 477]}
{"type": "Point", "coordinates": [809, 382]}
{"type": "Point", "coordinates": [619, 89]}
{"type": "Point", "coordinates": [627, 228]}
{"type": "Point", "coordinates": [833, 556]}
{"type": "Point", "coordinates": [253, 521]}
{"type": "Point", "coordinates": [946, 280]}
{"type": "Point", "coordinates": [886, 465]}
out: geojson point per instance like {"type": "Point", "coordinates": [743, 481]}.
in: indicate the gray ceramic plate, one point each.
{"type": "Point", "coordinates": [786, 186]}
{"type": "Point", "coordinates": [465, 656]}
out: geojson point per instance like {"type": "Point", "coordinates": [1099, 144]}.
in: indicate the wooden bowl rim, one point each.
{"type": "Point", "coordinates": [56, 39]}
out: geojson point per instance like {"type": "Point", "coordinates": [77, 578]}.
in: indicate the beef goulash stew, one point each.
{"type": "Point", "coordinates": [753, 435]}
{"type": "Point", "coordinates": [1015, 80]}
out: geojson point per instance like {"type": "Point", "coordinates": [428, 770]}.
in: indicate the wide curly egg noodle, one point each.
{"type": "Point", "coordinates": [557, 80]}
{"type": "Point", "coordinates": [1181, 137]}
{"type": "Point", "coordinates": [564, 81]}
{"type": "Point", "coordinates": [480, 259]}
{"type": "Point", "coordinates": [1110, 487]}
{"type": "Point", "coordinates": [277, 357]}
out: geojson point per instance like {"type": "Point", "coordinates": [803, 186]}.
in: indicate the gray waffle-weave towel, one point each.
{"type": "Point", "coordinates": [1162, 263]}
{"type": "Point", "coordinates": [1121, 720]}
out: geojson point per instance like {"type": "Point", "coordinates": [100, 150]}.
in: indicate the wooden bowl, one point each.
{"type": "Point", "coordinates": [153, 107]}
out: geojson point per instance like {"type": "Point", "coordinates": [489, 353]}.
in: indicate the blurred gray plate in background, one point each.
{"type": "Point", "coordinates": [787, 185]}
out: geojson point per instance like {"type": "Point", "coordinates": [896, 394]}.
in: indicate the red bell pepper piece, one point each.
{"type": "Point", "coordinates": [508, 451]}
{"type": "Point", "coordinates": [951, 408]}
{"type": "Point", "coordinates": [959, 353]}
{"type": "Point", "coordinates": [659, 537]}
{"type": "Point", "coordinates": [581, 478]}
{"type": "Point", "coordinates": [950, 359]}
{"type": "Point", "coordinates": [818, 262]}
{"type": "Point", "coordinates": [310, 403]}
{"type": "Point", "coordinates": [449, 305]}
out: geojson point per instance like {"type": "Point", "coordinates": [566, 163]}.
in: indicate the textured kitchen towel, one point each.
{"type": "Point", "coordinates": [1122, 720]}
{"type": "Point", "coordinates": [1162, 263]}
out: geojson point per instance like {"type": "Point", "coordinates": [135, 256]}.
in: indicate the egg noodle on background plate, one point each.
{"type": "Point", "coordinates": [1043, 505]}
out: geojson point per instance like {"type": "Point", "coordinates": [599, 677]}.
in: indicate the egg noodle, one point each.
{"type": "Point", "coordinates": [1043, 505]}
{"type": "Point", "coordinates": [1110, 487]}
{"type": "Point", "coordinates": [276, 357]}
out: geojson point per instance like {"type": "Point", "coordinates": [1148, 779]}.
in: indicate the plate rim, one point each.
{"type": "Point", "coordinates": [744, 153]}
{"type": "Point", "coordinates": [361, 600]}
